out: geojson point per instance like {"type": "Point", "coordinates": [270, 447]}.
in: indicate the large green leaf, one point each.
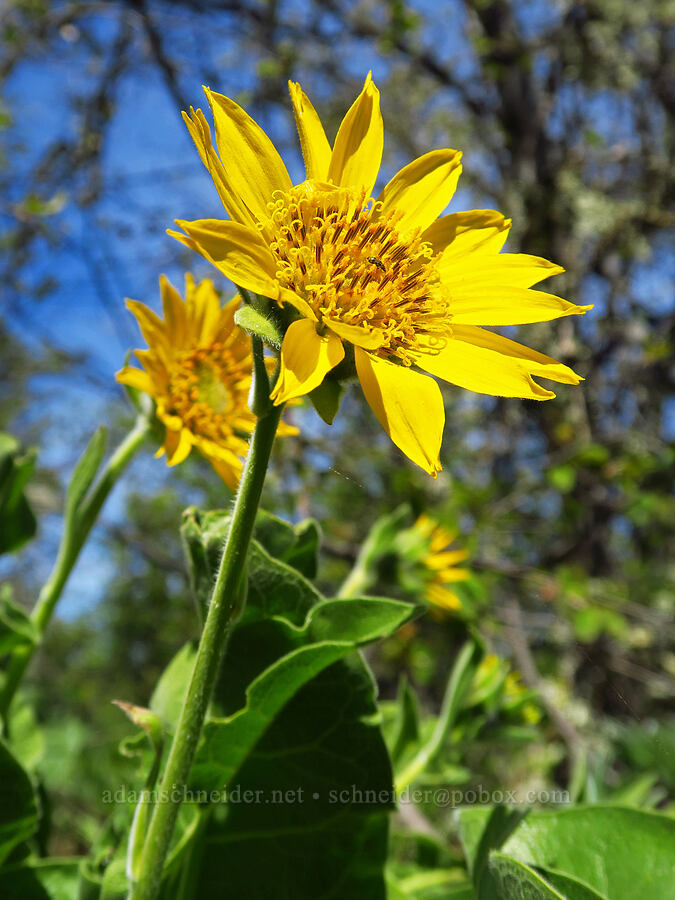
{"type": "Point", "coordinates": [311, 796]}
{"type": "Point", "coordinates": [16, 468]}
{"type": "Point", "coordinates": [295, 754]}
{"type": "Point", "coordinates": [289, 658]}
{"type": "Point", "coordinates": [622, 853]}
{"type": "Point", "coordinates": [517, 881]}
{"type": "Point", "coordinates": [617, 852]}
{"type": "Point", "coordinates": [18, 803]}
{"type": "Point", "coordinates": [46, 879]}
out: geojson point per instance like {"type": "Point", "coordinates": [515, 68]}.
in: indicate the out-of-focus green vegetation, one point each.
{"type": "Point", "coordinates": [564, 113]}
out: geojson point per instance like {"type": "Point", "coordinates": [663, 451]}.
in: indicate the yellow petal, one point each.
{"type": "Point", "coordinates": [453, 575]}
{"type": "Point", "coordinates": [253, 168]}
{"type": "Point", "coordinates": [443, 598]}
{"type": "Point", "coordinates": [481, 370]}
{"type": "Point", "coordinates": [408, 405]}
{"type": "Point", "coordinates": [302, 306]}
{"type": "Point", "coordinates": [475, 231]}
{"type": "Point", "coordinates": [135, 378]}
{"type": "Point", "coordinates": [177, 445]}
{"type": "Point", "coordinates": [357, 152]}
{"type": "Point", "coordinates": [228, 472]}
{"type": "Point", "coordinates": [306, 358]}
{"type": "Point", "coordinates": [504, 305]}
{"type": "Point", "coordinates": [200, 133]}
{"type": "Point", "coordinates": [236, 250]}
{"type": "Point", "coordinates": [155, 364]}
{"type": "Point", "coordinates": [444, 560]}
{"type": "Point", "coordinates": [422, 189]}
{"type": "Point", "coordinates": [174, 312]}
{"type": "Point", "coordinates": [531, 360]}
{"type": "Point", "coordinates": [315, 147]}
{"type": "Point", "coordinates": [205, 312]}
{"type": "Point", "coordinates": [514, 269]}
{"type": "Point", "coordinates": [151, 325]}
{"type": "Point", "coordinates": [357, 334]}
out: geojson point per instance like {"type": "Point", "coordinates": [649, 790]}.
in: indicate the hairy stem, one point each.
{"type": "Point", "coordinates": [224, 607]}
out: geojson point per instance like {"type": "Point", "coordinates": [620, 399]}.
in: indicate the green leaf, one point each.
{"type": "Point", "coordinates": [570, 887]}
{"type": "Point", "coordinates": [312, 790]}
{"type": "Point", "coordinates": [326, 399]}
{"type": "Point", "coordinates": [16, 627]}
{"type": "Point", "coordinates": [299, 751]}
{"type": "Point", "coordinates": [501, 823]}
{"type": "Point", "coordinates": [228, 741]}
{"type": "Point", "coordinates": [406, 731]}
{"type": "Point", "coordinates": [516, 881]}
{"type": "Point", "coordinates": [28, 742]}
{"type": "Point", "coordinates": [621, 853]}
{"type": "Point", "coordinates": [285, 548]}
{"type": "Point", "coordinates": [115, 885]}
{"type": "Point", "coordinates": [459, 683]}
{"type": "Point", "coordinates": [430, 884]}
{"type": "Point", "coordinates": [255, 322]}
{"type": "Point", "coordinates": [276, 589]}
{"type": "Point", "coordinates": [18, 520]}
{"type": "Point", "coordinates": [296, 545]}
{"type": "Point", "coordinates": [45, 879]}
{"type": "Point", "coordinates": [167, 698]}
{"type": "Point", "coordinates": [145, 719]}
{"type": "Point", "coordinates": [295, 726]}
{"type": "Point", "coordinates": [18, 803]}
{"type": "Point", "coordinates": [85, 471]}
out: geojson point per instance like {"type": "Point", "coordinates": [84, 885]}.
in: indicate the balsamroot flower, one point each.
{"type": "Point", "coordinates": [382, 286]}
{"type": "Point", "coordinates": [198, 371]}
{"type": "Point", "coordinates": [440, 563]}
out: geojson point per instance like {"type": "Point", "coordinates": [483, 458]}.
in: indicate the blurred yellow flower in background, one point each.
{"type": "Point", "coordinates": [384, 285]}
{"type": "Point", "coordinates": [197, 369]}
{"type": "Point", "coordinates": [440, 563]}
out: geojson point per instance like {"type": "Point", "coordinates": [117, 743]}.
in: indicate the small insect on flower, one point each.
{"type": "Point", "coordinates": [376, 262]}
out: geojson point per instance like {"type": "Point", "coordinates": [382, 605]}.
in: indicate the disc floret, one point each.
{"type": "Point", "coordinates": [352, 265]}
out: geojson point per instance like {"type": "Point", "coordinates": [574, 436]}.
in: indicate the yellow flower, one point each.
{"type": "Point", "coordinates": [385, 285]}
{"type": "Point", "coordinates": [440, 564]}
{"type": "Point", "coordinates": [198, 371]}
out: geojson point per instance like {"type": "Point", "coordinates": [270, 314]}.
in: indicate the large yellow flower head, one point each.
{"type": "Point", "coordinates": [383, 286]}
{"type": "Point", "coordinates": [197, 368]}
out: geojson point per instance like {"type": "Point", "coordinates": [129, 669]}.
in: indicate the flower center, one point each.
{"type": "Point", "coordinates": [207, 387]}
{"type": "Point", "coordinates": [336, 250]}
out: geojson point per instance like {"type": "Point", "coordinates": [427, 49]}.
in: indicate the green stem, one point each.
{"type": "Point", "coordinates": [224, 607]}
{"type": "Point", "coordinates": [73, 539]}
{"type": "Point", "coordinates": [358, 582]}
